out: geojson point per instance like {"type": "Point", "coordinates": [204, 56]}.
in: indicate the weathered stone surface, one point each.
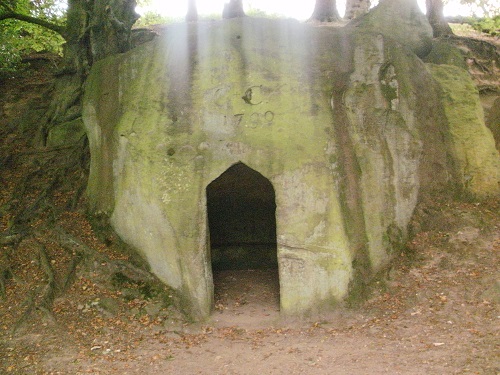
{"type": "Point", "coordinates": [66, 133]}
{"type": "Point", "coordinates": [384, 130]}
{"type": "Point", "coordinates": [401, 20]}
{"type": "Point", "coordinates": [345, 128]}
{"type": "Point", "coordinates": [444, 52]}
{"type": "Point", "coordinates": [481, 59]}
{"type": "Point", "coordinates": [477, 163]}
{"type": "Point", "coordinates": [493, 120]}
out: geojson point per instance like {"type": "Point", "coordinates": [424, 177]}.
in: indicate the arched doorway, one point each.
{"type": "Point", "coordinates": [241, 209]}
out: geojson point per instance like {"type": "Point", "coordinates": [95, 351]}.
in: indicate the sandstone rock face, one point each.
{"type": "Point", "coordinates": [477, 165]}
{"type": "Point", "coordinates": [482, 60]}
{"type": "Point", "coordinates": [319, 139]}
{"type": "Point", "coordinates": [400, 20]}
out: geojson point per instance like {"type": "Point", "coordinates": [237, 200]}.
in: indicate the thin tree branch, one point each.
{"type": "Point", "coordinates": [61, 30]}
{"type": "Point", "coordinates": [6, 8]}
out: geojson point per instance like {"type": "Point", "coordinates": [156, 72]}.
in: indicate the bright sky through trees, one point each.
{"type": "Point", "coordinates": [300, 10]}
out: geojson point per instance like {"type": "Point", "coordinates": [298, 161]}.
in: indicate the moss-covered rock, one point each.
{"type": "Point", "coordinates": [400, 20]}
{"type": "Point", "coordinates": [443, 52]}
{"type": "Point", "coordinates": [493, 121]}
{"type": "Point", "coordinates": [344, 127]}
{"type": "Point", "coordinates": [66, 133]}
{"type": "Point", "coordinates": [477, 164]}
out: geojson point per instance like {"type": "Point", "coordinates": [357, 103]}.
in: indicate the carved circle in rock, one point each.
{"type": "Point", "coordinates": [251, 95]}
{"type": "Point", "coordinates": [269, 117]}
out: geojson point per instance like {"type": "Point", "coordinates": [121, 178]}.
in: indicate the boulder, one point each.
{"type": "Point", "coordinates": [401, 20]}
{"type": "Point", "coordinates": [477, 164]}
{"type": "Point", "coordinates": [310, 144]}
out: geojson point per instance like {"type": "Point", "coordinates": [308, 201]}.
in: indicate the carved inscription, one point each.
{"type": "Point", "coordinates": [254, 96]}
{"type": "Point", "coordinates": [253, 120]}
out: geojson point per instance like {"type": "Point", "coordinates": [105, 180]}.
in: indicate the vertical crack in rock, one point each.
{"type": "Point", "coordinates": [350, 191]}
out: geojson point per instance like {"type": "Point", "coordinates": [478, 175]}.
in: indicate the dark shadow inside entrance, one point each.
{"type": "Point", "coordinates": [242, 220]}
{"type": "Point", "coordinates": [242, 225]}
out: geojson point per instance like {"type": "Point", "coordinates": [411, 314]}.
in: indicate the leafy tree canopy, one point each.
{"type": "Point", "coordinates": [488, 8]}
{"type": "Point", "coordinates": [39, 25]}
{"type": "Point", "coordinates": [151, 17]}
{"type": "Point", "coordinates": [20, 37]}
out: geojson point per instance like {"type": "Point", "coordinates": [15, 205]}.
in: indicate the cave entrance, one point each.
{"type": "Point", "coordinates": [241, 209]}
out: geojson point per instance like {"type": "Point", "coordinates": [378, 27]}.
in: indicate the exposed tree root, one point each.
{"type": "Point", "coordinates": [50, 288]}
{"type": "Point", "coordinates": [50, 184]}
{"type": "Point", "coordinates": [42, 297]}
{"type": "Point", "coordinates": [34, 202]}
{"type": "Point", "coordinates": [29, 304]}
{"type": "Point", "coordinates": [70, 276]}
{"type": "Point", "coordinates": [5, 272]}
{"type": "Point", "coordinates": [6, 239]}
{"type": "Point", "coordinates": [49, 175]}
{"type": "Point", "coordinates": [72, 244]}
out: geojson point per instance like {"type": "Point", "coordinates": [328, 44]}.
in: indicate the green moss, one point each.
{"type": "Point", "coordinates": [289, 306]}
{"type": "Point", "coordinates": [333, 264]}
{"type": "Point", "coordinates": [389, 84]}
{"type": "Point", "coordinates": [394, 239]}
{"type": "Point", "coordinates": [445, 53]}
{"type": "Point", "coordinates": [473, 148]}
{"type": "Point", "coordinates": [66, 133]}
{"type": "Point", "coordinates": [210, 95]}
{"type": "Point", "coordinates": [400, 20]}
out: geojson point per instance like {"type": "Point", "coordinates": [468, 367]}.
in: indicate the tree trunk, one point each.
{"type": "Point", "coordinates": [233, 9]}
{"type": "Point", "coordinates": [325, 11]}
{"type": "Point", "coordinates": [110, 26]}
{"type": "Point", "coordinates": [192, 13]}
{"type": "Point", "coordinates": [95, 29]}
{"type": "Point", "coordinates": [77, 54]}
{"type": "Point", "coordinates": [356, 8]}
{"type": "Point", "coordinates": [436, 18]}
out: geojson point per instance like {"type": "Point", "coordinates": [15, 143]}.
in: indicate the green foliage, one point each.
{"type": "Point", "coordinates": [468, 26]}
{"type": "Point", "coordinates": [10, 58]}
{"type": "Point", "coordinates": [144, 3]}
{"type": "Point", "coordinates": [153, 18]}
{"type": "Point", "coordinates": [18, 38]}
{"type": "Point", "coordinates": [256, 12]}
{"type": "Point", "coordinates": [488, 25]}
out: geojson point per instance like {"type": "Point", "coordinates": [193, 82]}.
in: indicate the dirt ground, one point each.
{"type": "Point", "coordinates": [436, 311]}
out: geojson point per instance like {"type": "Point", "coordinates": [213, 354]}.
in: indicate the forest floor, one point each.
{"type": "Point", "coordinates": [436, 311]}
